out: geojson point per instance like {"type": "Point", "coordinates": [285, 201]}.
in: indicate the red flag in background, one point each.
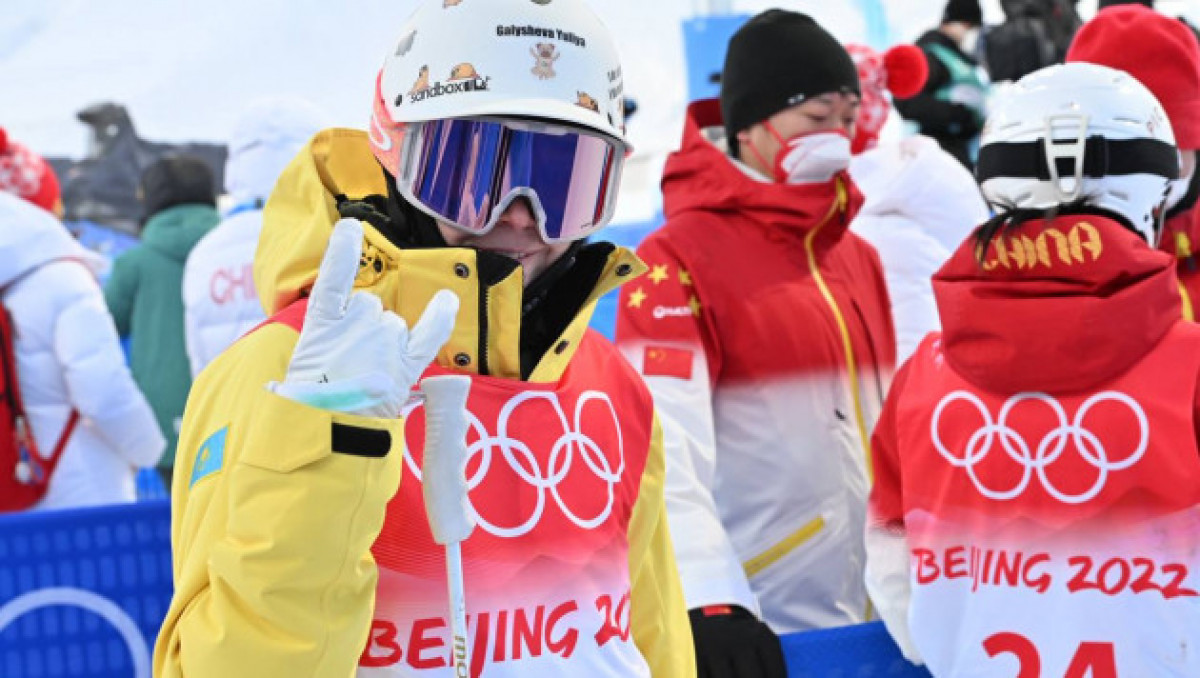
{"type": "Point", "coordinates": [664, 361]}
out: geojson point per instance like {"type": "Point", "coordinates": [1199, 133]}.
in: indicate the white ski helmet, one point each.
{"type": "Point", "coordinates": [1079, 131]}
{"type": "Point", "coordinates": [547, 59]}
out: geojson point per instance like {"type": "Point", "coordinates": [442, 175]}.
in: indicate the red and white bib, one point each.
{"type": "Point", "coordinates": [554, 473]}
{"type": "Point", "coordinates": [1055, 535]}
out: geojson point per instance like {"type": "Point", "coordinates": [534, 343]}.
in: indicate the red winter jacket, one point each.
{"type": "Point", "coordinates": [1037, 470]}
{"type": "Point", "coordinates": [1181, 237]}
{"type": "Point", "coordinates": [764, 332]}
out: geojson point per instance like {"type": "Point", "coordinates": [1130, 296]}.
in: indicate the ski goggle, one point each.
{"type": "Point", "coordinates": [466, 172]}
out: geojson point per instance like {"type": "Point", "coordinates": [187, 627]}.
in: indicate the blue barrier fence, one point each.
{"type": "Point", "coordinates": [860, 651]}
{"type": "Point", "coordinates": [83, 593]}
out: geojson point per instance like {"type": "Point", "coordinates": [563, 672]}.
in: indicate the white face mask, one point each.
{"type": "Point", "coordinates": [969, 42]}
{"type": "Point", "coordinates": [812, 158]}
{"type": "Point", "coordinates": [1178, 188]}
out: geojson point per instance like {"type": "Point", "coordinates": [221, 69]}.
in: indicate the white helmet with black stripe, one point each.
{"type": "Point", "coordinates": [1079, 133]}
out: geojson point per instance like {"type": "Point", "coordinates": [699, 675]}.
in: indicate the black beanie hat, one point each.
{"type": "Point", "coordinates": [966, 11]}
{"type": "Point", "coordinates": [178, 179]}
{"type": "Point", "coordinates": [776, 60]}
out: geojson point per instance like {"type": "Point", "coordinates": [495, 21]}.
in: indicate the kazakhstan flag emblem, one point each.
{"type": "Point", "coordinates": [211, 456]}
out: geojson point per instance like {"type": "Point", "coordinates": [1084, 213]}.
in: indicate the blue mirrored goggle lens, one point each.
{"type": "Point", "coordinates": [465, 168]}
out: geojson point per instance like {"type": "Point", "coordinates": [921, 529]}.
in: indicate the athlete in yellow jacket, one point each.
{"type": "Point", "coordinates": [301, 546]}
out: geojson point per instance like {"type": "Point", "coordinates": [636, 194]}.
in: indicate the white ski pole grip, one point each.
{"type": "Point", "coordinates": [445, 489]}
{"type": "Point", "coordinates": [444, 470]}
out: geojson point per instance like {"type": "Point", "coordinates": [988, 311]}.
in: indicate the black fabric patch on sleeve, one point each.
{"type": "Point", "coordinates": [360, 442]}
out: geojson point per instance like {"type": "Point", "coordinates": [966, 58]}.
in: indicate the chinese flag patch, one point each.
{"type": "Point", "coordinates": [665, 361]}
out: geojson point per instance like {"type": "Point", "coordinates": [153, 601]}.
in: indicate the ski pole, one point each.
{"type": "Point", "coordinates": [445, 492]}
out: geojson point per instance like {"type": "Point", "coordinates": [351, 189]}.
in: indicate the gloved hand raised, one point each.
{"type": "Point", "coordinates": [353, 356]}
{"type": "Point", "coordinates": [732, 643]}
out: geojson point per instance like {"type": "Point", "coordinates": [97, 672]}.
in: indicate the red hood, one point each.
{"type": "Point", "coordinates": [1056, 307]}
{"type": "Point", "coordinates": [700, 176]}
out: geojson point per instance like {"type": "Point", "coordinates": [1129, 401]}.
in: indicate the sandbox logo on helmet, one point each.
{"type": "Point", "coordinates": [463, 78]}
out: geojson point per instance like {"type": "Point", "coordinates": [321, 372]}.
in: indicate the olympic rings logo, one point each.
{"type": "Point", "coordinates": [1052, 445]}
{"type": "Point", "coordinates": [92, 602]}
{"type": "Point", "coordinates": [522, 461]}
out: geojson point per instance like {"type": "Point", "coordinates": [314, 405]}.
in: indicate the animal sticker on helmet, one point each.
{"type": "Point", "coordinates": [585, 100]}
{"type": "Point", "coordinates": [422, 82]}
{"type": "Point", "coordinates": [544, 54]}
{"type": "Point", "coordinates": [463, 71]}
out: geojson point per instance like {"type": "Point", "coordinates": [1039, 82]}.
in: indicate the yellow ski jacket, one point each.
{"type": "Point", "coordinates": [277, 506]}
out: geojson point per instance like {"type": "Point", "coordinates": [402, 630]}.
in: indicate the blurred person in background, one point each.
{"type": "Point", "coordinates": [1164, 55]}
{"type": "Point", "coordinates": [76, 389]}
{"type": "Point", "coordinates": [764, 331]}
{"type": "Point", "coordinates": [1035, 34]}
{"type": "Point", "coordinates": [920, 201]}
{"type": "Point", "coordinates": [220, 302]}
{"type": "Point", "coordinates": [1037, 474]}
{"type": "Point", "coordinates": [144, 291]}
{"type": "Point", "coordinates": [951, 106]}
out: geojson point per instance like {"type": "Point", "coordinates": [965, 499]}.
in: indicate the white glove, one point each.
{"type": "Point", "coordinates": [888, 584]}
{"type": "Point", "coordinates": [353, 356]}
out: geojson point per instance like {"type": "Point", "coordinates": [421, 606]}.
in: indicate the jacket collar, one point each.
{"type": "Point", "coordinates": [1065, 305]}
{"type": "Point", "coordinates": [702, 177]}
{"type": "Point", "coordinates": [300, 215]}
{"type": "Point", "coordinates": [487, 333]}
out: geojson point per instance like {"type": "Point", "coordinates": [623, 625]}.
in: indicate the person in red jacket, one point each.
{"type": "Point", "coordinates": [1037, 470]}
{"type": "Point", "coordinates": [1164, 55]}
{"type": "Point", "coordinates": [763, 330]}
